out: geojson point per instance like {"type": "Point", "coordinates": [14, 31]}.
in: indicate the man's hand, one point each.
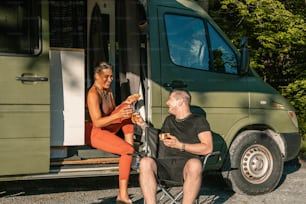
{"type": "Point", "coordinates": [172, 142]}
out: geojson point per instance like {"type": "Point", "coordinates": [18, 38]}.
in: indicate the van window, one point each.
{"type": "Point", "coordinates": [224, 59]}
{"type": "Point", "coordinates": [67, 23]}
{"type": "Point", "coordinates": [186, 41]}
{"type": "Point", "coordinates": [19, 25]}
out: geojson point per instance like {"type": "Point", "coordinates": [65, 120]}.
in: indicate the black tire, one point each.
{"type": "Point", "coordinates": [254, 164]}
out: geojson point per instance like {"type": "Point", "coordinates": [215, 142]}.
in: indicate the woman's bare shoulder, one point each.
{"type": "Point", "coordinates": [92, 93]}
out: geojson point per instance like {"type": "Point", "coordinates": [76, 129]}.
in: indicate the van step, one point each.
{"type": "Point", "coordinates": [58, 173]}
{"type": "Point", "coordinates": [85, 161]}
{"type": "Point", "coordinates": [93, 153]}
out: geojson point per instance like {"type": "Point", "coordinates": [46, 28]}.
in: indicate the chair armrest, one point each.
{"type": "Point", "coordinates": [205, 158]}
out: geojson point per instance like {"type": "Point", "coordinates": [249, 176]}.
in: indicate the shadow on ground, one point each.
{"type": "Point", "coordinates": [213, 191]}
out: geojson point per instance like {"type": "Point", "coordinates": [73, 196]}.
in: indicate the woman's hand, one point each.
{"type": "Point", "coordinates": [137, 119]}
{"type": "Point", "coordinates": [125, 112]}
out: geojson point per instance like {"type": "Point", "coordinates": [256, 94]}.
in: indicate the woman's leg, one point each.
{"type": "Point", "coordinates": [128, 131]}
{"type": "Point", "coordinates": [109, 142]}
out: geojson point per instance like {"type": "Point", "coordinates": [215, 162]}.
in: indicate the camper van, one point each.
{"type": "Point", "coordinates": [48, 50]}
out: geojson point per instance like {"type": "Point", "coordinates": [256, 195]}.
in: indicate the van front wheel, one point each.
{"type": "Point", "coordinates": [254, 164]}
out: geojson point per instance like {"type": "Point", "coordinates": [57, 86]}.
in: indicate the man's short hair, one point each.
{"type": "Point", "coordinates": [182, 94]}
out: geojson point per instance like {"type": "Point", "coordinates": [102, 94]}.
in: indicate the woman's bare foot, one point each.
{"type": "Point", "coordinates": [123, 201]}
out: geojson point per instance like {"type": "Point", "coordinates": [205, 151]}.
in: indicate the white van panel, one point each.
{"type": "Point", "coordinates": [67, 97]}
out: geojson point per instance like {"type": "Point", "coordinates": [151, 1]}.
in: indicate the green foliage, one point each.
{"type": "Point", "coordinates": [277, 37]}
{"type": "Point", "coordinates": [276, 32]}
{"type": "Point", "coordinates": [296, 6]}
{"type": "Point", "coordinates": [296, 93]}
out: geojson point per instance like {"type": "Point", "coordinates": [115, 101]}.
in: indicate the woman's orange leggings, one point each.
{"type": "Point", "coordinates": [106, 139]}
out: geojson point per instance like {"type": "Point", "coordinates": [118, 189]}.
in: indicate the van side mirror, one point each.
{"type": "Point", "coordinates": [244, 58]}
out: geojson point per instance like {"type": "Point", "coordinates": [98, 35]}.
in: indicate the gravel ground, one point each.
{"type": "Point", "coordinates": [103, 190]}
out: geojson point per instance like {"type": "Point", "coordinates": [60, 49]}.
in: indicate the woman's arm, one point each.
{"type": "Point", "coordinates": [95, 111]}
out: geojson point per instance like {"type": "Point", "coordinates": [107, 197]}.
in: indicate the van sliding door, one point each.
{"type": "Point", "coordinates": [24, 88]}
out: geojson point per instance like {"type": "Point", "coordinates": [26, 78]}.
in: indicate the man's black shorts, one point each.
{"type": "Point", "coordinates": [171, 169]}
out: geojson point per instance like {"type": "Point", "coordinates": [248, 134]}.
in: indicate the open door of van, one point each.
{"type": "Point", "coordinates": [24, 88]}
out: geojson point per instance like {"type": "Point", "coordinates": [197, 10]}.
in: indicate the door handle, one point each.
{"type": "Point", "coordinates": [31, 78]}
{"type": "Point", "coordinates": [175, 84]}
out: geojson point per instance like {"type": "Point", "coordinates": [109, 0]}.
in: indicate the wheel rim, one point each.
{"type": "Point", "coordinates": [256, 164]}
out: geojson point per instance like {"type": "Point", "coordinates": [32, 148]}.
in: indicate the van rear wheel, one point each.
{"type": "Point", "coordinates": [254, 164]}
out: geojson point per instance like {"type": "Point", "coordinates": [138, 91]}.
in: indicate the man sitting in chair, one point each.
{"type": "Point", "coordinates": [185, 137]}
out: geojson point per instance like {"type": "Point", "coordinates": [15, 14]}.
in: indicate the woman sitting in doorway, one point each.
{"type": "Point", "coordinates": [107, 120]}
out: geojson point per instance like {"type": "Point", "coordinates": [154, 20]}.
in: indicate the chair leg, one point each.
{"type": "Point", "coordinates": [166, 192]}
{"type": "Point", "coordinates": [173, 199]}
{"type": "Point", "coordinates": [178, 196]}
{"type": "Point", "coordinates": [197, 200]}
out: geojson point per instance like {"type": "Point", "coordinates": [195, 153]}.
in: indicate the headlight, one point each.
{"type": "Point", "coordinates": [293, 118]}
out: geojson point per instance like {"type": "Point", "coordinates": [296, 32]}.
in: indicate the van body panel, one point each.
{"type": "Point", "coordinates": [277, 120]}
{"type": "Point", "coordinates": [27, 156]}
{"type": "Point", "coordinates": [267, 106]}
{"type": "Point", "coordinates": [25, 105]}
{"type": "Point", "coordinates": [24, 92]}
{"type": "Point", "coordinates": [68, 96]}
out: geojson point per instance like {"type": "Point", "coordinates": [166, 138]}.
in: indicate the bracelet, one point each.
{"type": "Point", "coordinates": [183, 147]}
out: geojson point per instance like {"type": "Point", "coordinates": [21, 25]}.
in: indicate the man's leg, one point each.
{"type": "Point", "coordinates": [192, 180]}
{"type": "Point", "coordinates": [147, 179]}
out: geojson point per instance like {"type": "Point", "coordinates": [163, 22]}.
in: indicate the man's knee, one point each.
{"type": "Point", "coordinates": [147, 163]}
{"type": "Point", "coordinates": [193, 167]}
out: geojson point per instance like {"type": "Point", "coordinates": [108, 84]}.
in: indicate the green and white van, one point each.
{"type": "Point", "coordinates": [47, 52]}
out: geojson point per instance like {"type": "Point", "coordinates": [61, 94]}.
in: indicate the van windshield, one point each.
{"type": "Point", "coordinates": [188, 45]}
{"type": "Point", "coordinates": [187, 40]}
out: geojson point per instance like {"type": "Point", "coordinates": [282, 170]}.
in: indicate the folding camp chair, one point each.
{"type": "Point", "coordinates": [165, 186]}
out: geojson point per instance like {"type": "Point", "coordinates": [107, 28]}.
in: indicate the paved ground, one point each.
{"type": "Point", "coordinates": [103, 190]}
